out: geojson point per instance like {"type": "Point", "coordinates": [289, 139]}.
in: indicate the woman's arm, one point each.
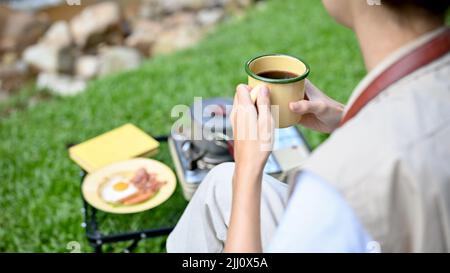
{"type": "Point", "coordinates": [253, 132]}
{"type": "Point", "coordinates": [244, 232]}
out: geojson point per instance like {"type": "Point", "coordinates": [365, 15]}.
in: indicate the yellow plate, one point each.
{"type": "Point", "coordinates": [93, 181]}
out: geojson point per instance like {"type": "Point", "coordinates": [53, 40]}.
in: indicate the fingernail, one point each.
{"type": "Point", "coordinates": [241, 86]}
{"type": "Point", "coordinates": [264, 90]}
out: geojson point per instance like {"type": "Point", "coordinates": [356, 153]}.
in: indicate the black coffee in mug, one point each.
{"type": "Point", "coordinates": [278, 75]}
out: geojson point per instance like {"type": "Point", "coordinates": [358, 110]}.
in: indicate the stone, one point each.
{"type": "Point", "coordinates": [94, 21]}
{"type": "Point", "coordinates": [176, 40]}
{"type": "Point", "coordinates": [54, 52]}
{"type": "Point", "coordinates": [181, 31]}
{"type": "Point", "coordinates": [13, 76]}
{"type": "Point", "coordinates": [171, 6]}
{"type": "Point", "coordinates": [117, 59]}
{"type": "Point", "coordinates": [87, 67]}
{"type": "Point", "coordinates": [130, 9]}
{"type": "Point", "coordinates": [9, 58]}
{"type": "Point", "coordinates": [210, 17]}
{"type": "Point", "coordinates": [19, 30]}
{"type": "Point", "coordinates": [50, 57]}
{"type": "Point", "coordinates": [237, 7]}
{"type": "Point", "coordinates": [61, 10]}
{"type": "Point", "coordinates": [178, 19]}
{"type": "Point", "coordinates": [241, 3]}
{"type": "Point", "coordinates": [150, 9]}
{"type": "Point", "coordinates": [58, 35]}
{"type": "Point", "coordinates": [59, 84]}
{"type": "Point", "coordinates": [144, 35]}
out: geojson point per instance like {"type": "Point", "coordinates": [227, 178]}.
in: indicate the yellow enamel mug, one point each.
{"type": "Point", "coordinates": [282, 90]}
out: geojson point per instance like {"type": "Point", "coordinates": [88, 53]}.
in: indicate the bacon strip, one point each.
{"type": "Point", "coordinates": [148, 185]}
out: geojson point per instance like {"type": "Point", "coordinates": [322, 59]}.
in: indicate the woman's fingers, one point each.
{"type": "Point", "coordinates": [308, 107]}
{"type": "Point", "coordinates": [263, 103]}
{"type": "Point", "coordinates": [263, 98]}
{"type": "Point", "coordinates": [243, 94]}
{"type": "Point", "coordinates": [265, 120]}
{"type": "Point", "coordinates": [241, 88]}
{"type": "Point", "coordinates": [313, 105]}
{"type": "Point", "coordinates": [311, 90]}
{"type": "Point", "coordinates": [243, 114]}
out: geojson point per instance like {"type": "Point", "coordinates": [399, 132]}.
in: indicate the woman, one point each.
{"type": "Point", "coordinates": [381, 179]}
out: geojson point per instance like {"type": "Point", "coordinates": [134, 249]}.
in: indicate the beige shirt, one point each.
{"type": "Point", "coordinates": [392, 161]}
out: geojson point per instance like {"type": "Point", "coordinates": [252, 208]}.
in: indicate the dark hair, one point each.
{"type": "Point", "coordinates": [436, 7]}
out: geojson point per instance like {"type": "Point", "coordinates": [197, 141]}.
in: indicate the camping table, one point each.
{"type": "Point", "coordinates": [97, 239]}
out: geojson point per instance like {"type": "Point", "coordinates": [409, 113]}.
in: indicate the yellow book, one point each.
{"type": "Point", "coordinates": [122, 143]}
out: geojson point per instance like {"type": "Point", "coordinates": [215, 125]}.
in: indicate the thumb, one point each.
{"type": "Point", "coordinates": [307, 107]}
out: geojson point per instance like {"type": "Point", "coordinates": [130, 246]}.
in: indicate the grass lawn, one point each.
{"type": "Point", "coordinates": [39, 186]}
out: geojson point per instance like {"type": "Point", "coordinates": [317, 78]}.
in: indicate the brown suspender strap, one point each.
{"type": "Point", "coordinates": [413, 61]}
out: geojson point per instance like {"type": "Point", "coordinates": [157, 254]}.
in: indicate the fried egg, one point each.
{"type": "Point", "coordinates": [117, 188]}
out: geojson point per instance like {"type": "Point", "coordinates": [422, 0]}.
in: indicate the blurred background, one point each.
{"type": "Point", "coordinates": [60, 45]}
{"type": "Point", "coordinates": [71, 72]}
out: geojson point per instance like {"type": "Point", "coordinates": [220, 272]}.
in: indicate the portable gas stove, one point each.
{"type": "Point", "coordinates": [193, 159]}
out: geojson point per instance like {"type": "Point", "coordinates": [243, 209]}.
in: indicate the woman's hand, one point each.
{"type": "Point", "coordinates": [252, 128]}
{"type": "Point", "coordinates": [320, 112]}
{"type": "Point", "coordinates": [253, 133]}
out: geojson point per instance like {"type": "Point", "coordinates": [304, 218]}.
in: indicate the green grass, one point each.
{"type": "Point", "coordinates": [39, 185]}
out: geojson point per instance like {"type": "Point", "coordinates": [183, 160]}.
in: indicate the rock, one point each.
{"type": "Point", "coordinates": [144, 35]}
{"type": "Point", "coordinates": [87, 67]}
{"type": "Point", "coordinates": [237, 6]}
{"type": "Point", "coordinates": [58, 35]}
{"type": "Point", "coordinates": [19, 30]}
{"type": "Point", "coordinates": [94, 21]}
{"type": "Point", "coordinates": [131, 9]}
{"type": "Point", "coordinates": [241, 3]}
{"type": "Point", "coordinates": [178, 19]}
{"type": "Point", "coordinates": [55, 51]}
{"type": "Point", "coordinates": [181, 31]}
{"type": "Point", "coordinates": [150, 9]}
{"type": "Point", "coordinates": [209, 17]}
{"type": "Point", "coordinates": [171, 6]}
{"type": "Point", "coordinates": [50, 57]}
{"type": "Point", "coordinates": [180, 37]}
{"type": "Point", "coordinates": [9, 58]}
{"type": "Point", "coordinates": [61, 10]}
{"type": "Point", "coordinates": [13, 76]}
{"type": "Point", "coordinates": [59, 84]}
{"type": "Point", "coordinates": [117, 58]}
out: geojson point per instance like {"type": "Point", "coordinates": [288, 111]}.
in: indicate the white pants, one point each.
{"type": "Point", "coordinates": [204, 224]}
